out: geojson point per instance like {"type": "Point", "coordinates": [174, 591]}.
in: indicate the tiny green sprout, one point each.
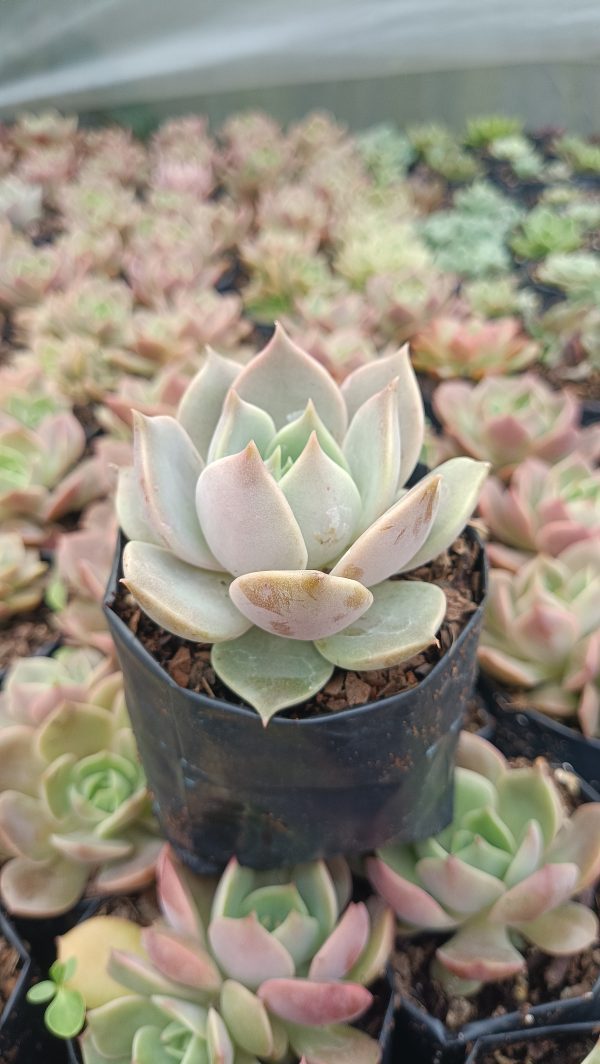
{"type": "Point", "coordinates": [65, 1014]}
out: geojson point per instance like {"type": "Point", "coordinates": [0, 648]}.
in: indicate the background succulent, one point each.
{"type": "Point", "coordinates": [502, 874]}
{"type": "Point", "coordinates": [268, 965]}
{"type": "Point", "coordinates": [472, 347]}
{"type": "Point", "coordinates": [545, 231]}
{"type": "Point", "coordinates": [281, 518]}
{"type": "Point", "coordinates": [544, 508]}
{"type": "Point", "coordinates": [33, 687]}
{"type": "Point", "coordinates": [505, 420]}
{"type": "Point", "coordinates": [22, 576]}
{"type": "Point", "coordinates": [75, 812]}
{"type": "Point", "coordinates": [541, 633]}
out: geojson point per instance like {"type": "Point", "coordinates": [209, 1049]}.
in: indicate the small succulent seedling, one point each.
{"type": "Point", "coordinates": [65, 1015]}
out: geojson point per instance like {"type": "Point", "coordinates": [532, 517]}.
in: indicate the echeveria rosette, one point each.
{"type": "Point", "coordinates": [543, 509]}
{"type": "Point", "coordinates": [541, 633]}
{"type": "Point", "coordinates": [22, 576]}
{"type": "Point", "coordinates": [34, 468]}
{"type": "Point", "coordinates": [269, 515]}
{"type": "Point", "coordinates": [503, 873]}
{"type": "Point", "coordinates": [471, 347]}
{"type": "Point", "coordinates": [505, 420]}
{"type": "Point", "coordinates": [33, 687]}
{"type": "Point", "coordinates": [280, 959]}
{"type": "Point", "coordinates": [75, 812]}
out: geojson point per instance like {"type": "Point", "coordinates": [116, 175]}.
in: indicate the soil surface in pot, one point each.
{"type": "Point", "coordinates": [543, 980]}
{"type": "Point", "coordinates": [455, 571]}
{"type": "Point", "coordinates": [27, 634]}
{"type": "Point", "coordinates": [9, 970]}
{"type": "Point", "coordinates": [141, 908]}
{"type": "Point", "coordinates": [545, 1051]}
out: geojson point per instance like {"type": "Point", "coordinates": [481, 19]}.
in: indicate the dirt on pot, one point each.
{"type": "Point", "coordinates": [455, 571]}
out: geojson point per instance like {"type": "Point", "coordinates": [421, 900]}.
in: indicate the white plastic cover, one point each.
{"type": "Point", "coordinates": [90, 54]}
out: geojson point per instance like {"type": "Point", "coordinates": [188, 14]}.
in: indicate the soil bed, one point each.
{"type": "Point", "coordinates": [189, 663]}
{"type": "Point", "coordinates": [28, 633]}
{"type": "Point", "coordinates": [9, 970]}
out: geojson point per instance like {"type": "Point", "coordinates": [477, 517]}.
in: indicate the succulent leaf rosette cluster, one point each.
{"type": "Point", "coordinates": [544, 509]}
{"type": "Point", "coordinates": [268, 517]}
{"type": "Point", "coordinates": [22, 576]}
{"type": "Point", "coordinates": [502, 874]}
{"type": "Point", "coordinates": [257, 966]}
{"type": "Point", "coordinates": [541, 633]}
{"type": "Point", "coordinates": [472, 347]}
{"type": "Point", "coordinates": [74, 807]}
{"type": "Point", "coordinates": [505, 420]}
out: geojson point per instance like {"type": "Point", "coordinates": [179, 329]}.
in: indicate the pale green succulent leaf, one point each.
{"type": "Point", "coordinates": [75, 728]}
{"type": "Point", "coordinates": [270, 673]}
{"type": "Point", "coordinates": [462, 480]}
{"type": "Point", "coordinates": [480, 854]}
{"type": "Point", "coordinates": [282, 378]}
{"type": "Point", "coordinates": [301, 604]}
{"type": "Point", "coordinates": [344, 945]}
{"type": "Point", "coordinates": [315, 884]}
{"type": "Point", "coordinates": [325, 501]}
{"type": "Point", "coordinates": [113, 1026]}
{"type": "Point", "coordinates": [480, 756]}
{"type": "Point", "coordinates": [542, 891]}
{"type": "Point", "coordinates": [457, 885]}
{"type": "Point", "coordinates": [299, 934]}
{"type": "Point", "coordinates": [131, 507]}
{"type": "Point", "coordinates": [372, 450]}
{"type": "Point", "coordinates": [486, 822]}
{"type": "Point", "coordinates": [373, 959]}
{"type": "Point", "coordinates": [202, 401]}
{"type": "Point", "coordinates": [403, 620]}
{"type": "Point", "coordinates": [247, 952]}
{"type": "Point", "coordinates": [246, 1019]}
{"type": "Point", "coordinates": [85, 847]}
{"type": "Point", "coordinates": [411, 903]}
{"type": "Point", "coordinates": [130, 811]}
{"type": "Point", "coordinates": [190, 602]}
{"type": "Point", "coordinates": [480, 951]}
{"type": "Point", "coordinates": [567, 929]}
{"type": "Point", "coordinates": [247, 521]}
{"type": "Point", "coordinates": [25, 825]}
{"type": "Point", "coordinates": [395, 537]}
{"type": "Point", "coordinates": [134, 871]}
{"type": "Point", "coordinates": [527, 857]}
{"type": "Point", "coordinates": [42, 992]}
{"type": "Point", "coordinates": [143, 978]}
{"type": "Point", "coordinates": [336, 1044]}
{"type": "Point", "coordinates": [20, 762]}
{"type": "Point", "coordinates": [55, 785]}
{"type": "Point", "coordinates": [41, 888]}
{"type": "Point", "coordinates": [65, 1016]}
{"type": "Point", "coordinates": [471, 791]}
{"type": "Point", "coordinates": [240, 423]}
{"type": "Point", "coordinates": [168, 466]}
{"type": "Point", "coordinates": [233, 887]}
{"type": "Point", "coordinates": [526, 794]}
{"type": "Point", "coordinates": [220, 1047]}
{"type": "Point", "coordinates": [292, 439]}
{"type": "Point", "coordinates": [148, 1047]}
{"type": "Point", "coordinates": [578, 841]}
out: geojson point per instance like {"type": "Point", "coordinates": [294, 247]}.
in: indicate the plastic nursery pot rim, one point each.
{"type": "Point", "coordinates": [352, 713]}
{"type": "Point", "coordinates": [8, 932]}
{"type": "Point", "coordinates": [558, 1031]}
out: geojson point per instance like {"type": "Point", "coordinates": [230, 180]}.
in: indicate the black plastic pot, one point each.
{"type": "Point", "coordinates": [529, 733]}
{"type": "Point", "coordinates": [590, 412]}
{"type": "Point", "coordinates": [560, 1038]}
{"type": "Point", "coordinates": [298, 789]}
{"type": "Point", "coordinates": [23, 1036]}
{"type": "Point", "coordinates": [431, 1041]}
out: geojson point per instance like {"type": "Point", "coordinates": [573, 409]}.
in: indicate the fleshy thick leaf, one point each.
{"type": "Point", "coordinates": [190, 602]}
{"type": "Point", "coordinates": [396, 537]}
{"type": "Point", "coordinates": [178, 959]}
{"type": "Point", "coordinates": [334, 1045]}
{"type": "Point", "coordinates": [281, 380]}
{"type": "Point", "coordinates": [412, 904]}
{"type": "Point", "coordinates": [305, 604]}
{"type": "Point", "coordinates": [269, 672]}
{"type": "Point", "coordinates": [168, 466]}
{"type": "Point", "coordinates": [403, 620]}
{"type": "Point", "coordinates": [315, 1004]}
{"type": "Point", "coordinates": [246, 952]}
{"type": "Point", "coordinates": [462, 480]}
{"type": "Point", "coordinates": [41, 888]}
{"type": "Point", "coordinates": [482, 952]}
{"type": "Point", "coordinates": [248, 523]}
{"type": "Point", "coordinates": [344, 946]}
{"type": "Point", "coordinates": [246, 1019]}
{"type": "Point", "coordinates": [372, 449]}
{"type": "Point", "coordinates": [239, 424]}
{"type": "Point", "coordinates": [202, 402]}
{"type": "Point", "coordinates": [131, 507]}
{"type": "Point", "coordinates": [457, 885]}
{"type": "Point", "coordinates": [541, 892]}
{"type": "Point", "coordinates": [567, 929]}
{"type": "Point", "coordinates": [325, 502]}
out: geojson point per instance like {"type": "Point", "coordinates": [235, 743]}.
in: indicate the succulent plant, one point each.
{"type": "Point", "coordinates": [33, 687]}
{"type": "Point", "coordinates": [577, 274]}
{"type": "Point", "coordinates": [484, 129]}
{"type": "Point", "coordinates": [373, 243]}
{"type": "Point", "coordinates": [387, 154]}
{"type": "Point", "coordinates": [505, 420]}
{"type": "Point", "coordinates": [544, 509]}
{"type": "Point", "coordinates": [112, 153]}
{"type": "Point", "coordinates": [95, 203]}
{"type": "Point", "coordinates": [27, 274]}
{"type": "Point", "coordinates": [501, 297]}
{"type": "Point", "coordinates": [284, 265]}
{"type": "Point", "coordinates": [470, 239]}
{"type": "Point", "coordinates": [404, 303]}
{"type": "Point", "coordinates": [80, 368]}
{"type": "Point", "coordinates": [294, 206]}
{"type": "Point", "coordinates": [519, 152]}
{"type": "Point", "coordinates": [159, 395]}
{"type": "Point", "coordinates": [92, 306]}
{"type": "Point", "coordinates": [254, 153]}
{"type": "Point", "coordinates": [75, 812]}
{"type": "Point", "coordinates": [472, 347]}
{"type": "Point", "coordinates": [22, 577]}
{"type": "Point", "coordinates": [502, 874]}
{"type": "Point", "coordinates": [583, 156]}
{"type": "Point", "coordinates": [259, 966]}
{"type": "Point", "coordinates": [281, 518]}
{"type": "Point", "coordinates": [34, 468]}
{"type": "Point", "coordinates": [45, 127]}
{"type": "Point", "coordinates": [20, 202]}
{"type": "Point", "coordinates": [545, 231]}
{"type": "Point", "coordinates": [541, 633]}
